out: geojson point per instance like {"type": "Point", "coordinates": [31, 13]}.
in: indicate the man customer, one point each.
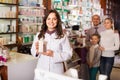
{"type": "Point", "coordinates": [96, 28]}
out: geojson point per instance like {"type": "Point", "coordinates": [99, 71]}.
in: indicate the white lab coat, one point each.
{"type": "Point", "coordinates": [61, 49]}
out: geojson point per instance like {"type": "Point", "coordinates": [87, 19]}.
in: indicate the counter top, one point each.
{"type": "Point", "coordinates": [21, 66]}
{"type": "Point", "coordinates": [16, 57]}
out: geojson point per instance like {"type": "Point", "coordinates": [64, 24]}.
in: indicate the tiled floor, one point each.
{"type": "Point", "coordinates": [115, 75]}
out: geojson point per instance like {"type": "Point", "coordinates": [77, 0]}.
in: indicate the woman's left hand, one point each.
{"type": "Point", "coordinates": [48, 53]}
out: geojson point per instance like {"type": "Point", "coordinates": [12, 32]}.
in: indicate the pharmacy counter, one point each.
{"type": "Point", "coordinates": [21, 66]}
{"type": "Point", "coordinates": [44, 75]}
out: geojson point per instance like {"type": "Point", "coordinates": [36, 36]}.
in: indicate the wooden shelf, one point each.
{"type": "Point", "coordinates": [23, 16]}
{"type": "Point", "coordinates": [9, 33]}
{"type": "Point", "coordinates": [27, 44]}
{"type": "Point", "coordinates": [11, 4]}
{"type": "Point", "coordinates": [9, 18]}
{"type": "Point", "coordinates": [28, 23]}
{"type": "Point", "coordinates": [33, 7]}
{"type": "Point", "coordinates": [26, 33]}
{"type": "Point", "coordinates": [11, 45]}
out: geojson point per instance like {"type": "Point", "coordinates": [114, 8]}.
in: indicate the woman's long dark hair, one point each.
{"type": "Point", "coordinates": [44, 27]}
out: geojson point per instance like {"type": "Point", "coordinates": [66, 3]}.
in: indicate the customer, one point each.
{"type": "Point", "coordinates": [58, 47]}
{"type": "Point", "coordinates": [109, 43]}
{"type": "Point", "coordinates": [97, 27]}
{"type": "Point", "coordinates": [93, 57]}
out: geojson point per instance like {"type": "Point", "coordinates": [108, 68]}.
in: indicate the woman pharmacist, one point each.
{"type": "Point", "coordinates": [58, 48]}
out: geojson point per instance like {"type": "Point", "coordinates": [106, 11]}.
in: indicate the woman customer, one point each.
{"type": "Point", "coordinates": [58, 48]}
{"type": "Point", "coordinates": [109, 43]}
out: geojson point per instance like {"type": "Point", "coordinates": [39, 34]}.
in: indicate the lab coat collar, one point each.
{"type": "Point", "coordinates": [50, 32]}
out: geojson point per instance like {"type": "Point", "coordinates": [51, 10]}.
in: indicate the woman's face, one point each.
{"type": "Point", "coordinates": [108, 24]}
{"type": "Point", "coordinates": [51, 21]}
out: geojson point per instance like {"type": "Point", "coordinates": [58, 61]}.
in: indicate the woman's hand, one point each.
{"type": "Point", "coordinates": [115, 31]}
{"type": "Point", "coordinates": [37, 47]}
{"type": "Point", "coordinates": [48, 53]}
{"type": "Point", "coordinates": [101, 48]}
{"type": "Point", "coordinates": [90, 65]}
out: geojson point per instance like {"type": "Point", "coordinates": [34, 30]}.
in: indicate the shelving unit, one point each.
{"type": "Point", "coordinates": [78, 12]}
{"type": "Point", "coordinates": [109, 8]}
{"type": "Point", "coordinates": [19, 22]}
{"type": "Point", "coordinates": [9, 23]}
{"type": "Point", "coordinates": [112, 10]}
{"type": "Point", "coordinates": [30, 20]}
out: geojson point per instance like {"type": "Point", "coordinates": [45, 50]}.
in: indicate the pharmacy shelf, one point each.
{"type": "Point", "coordinates": [8, 33]}
{"type": "Point", "coordinates": [9, 16]}
{"type": "Point", "coordinates": [8, 4]}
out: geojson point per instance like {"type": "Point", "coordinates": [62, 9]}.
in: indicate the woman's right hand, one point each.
{"type": "Point", "coordinates": [101, 48]}
{"type": "Point", "coordinates": [48, 53]}
{"type": "Point", "coordinates": [37, 47]}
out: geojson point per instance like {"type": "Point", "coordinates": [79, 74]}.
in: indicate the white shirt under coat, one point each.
{"type": "Point", "coordinates": [110, 41]}
{"type": "Point", "coordinates": [62, 51]}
